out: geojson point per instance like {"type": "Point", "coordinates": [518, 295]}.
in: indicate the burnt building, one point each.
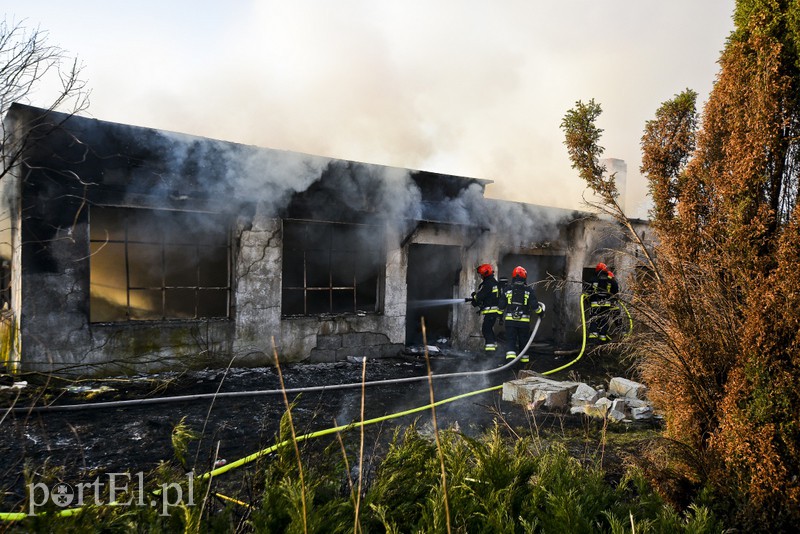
{"type": "Point", "coordinates": [132, 249]}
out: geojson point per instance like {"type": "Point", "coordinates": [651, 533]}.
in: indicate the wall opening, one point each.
{"type": "Point", "coordinates": [331, 268]}
{"type": "Point", "coordinates": [433, 272]}
{"type": "Point", "coordinates": [149, 265]}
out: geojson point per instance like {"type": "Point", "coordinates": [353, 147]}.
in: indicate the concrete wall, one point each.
{"type": "Point", "coordinates": [55, 303]}
{"type": "Point", "coordinates": [56, 334]}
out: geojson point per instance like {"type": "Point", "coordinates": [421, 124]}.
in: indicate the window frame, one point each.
{"type": "Point", "coordinates": [376, 256]}
{"type": "Point", "coordinates": [166, 248]}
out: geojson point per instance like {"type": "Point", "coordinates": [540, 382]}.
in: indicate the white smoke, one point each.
{"type": "Point", "coordinates": [472, 89]}
{"type": "Point", "coordinates": [246, 173]}
{"type": "Point", "coordinates": [359, 192]}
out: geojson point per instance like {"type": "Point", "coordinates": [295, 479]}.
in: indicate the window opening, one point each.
{"type": "Point", "coordinates": [149, 265]}
{"type": "Point", "coordinates": [331, 268]}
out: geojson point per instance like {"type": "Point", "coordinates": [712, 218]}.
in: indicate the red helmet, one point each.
{"type": "Point", "coordinates": [485, 270]}
{"type": "Point", "coordinates": [601, 267]}
{"type": "Point", "coordinates": [519, 272]}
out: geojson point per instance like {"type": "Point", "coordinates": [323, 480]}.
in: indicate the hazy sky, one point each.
{"type": "Point", "coordinates": [472, 88]}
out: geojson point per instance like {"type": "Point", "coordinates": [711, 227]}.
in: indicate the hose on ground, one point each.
{"type": "Point", "coordinates": [16, 516]}
{"type": "Point", "coordinates": [257, 393]}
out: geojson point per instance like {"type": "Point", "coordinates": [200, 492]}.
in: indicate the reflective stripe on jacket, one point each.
{"type": "Point", "coordinates": [488, 296]}
{"type": "Point", "coordinates": [518, 310]}
{"type": "Point", "coordinates": [603, 288]}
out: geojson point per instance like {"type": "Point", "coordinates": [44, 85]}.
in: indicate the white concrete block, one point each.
{"type": "Point", "coordinates": [619, 405]}
{"type": "Point", "coordinates": [554, 398]}
{"type": "Point", "coordinates": [616, 415]}
{"type": "Point", "coordinates": [604, 403]}
{"type": "Point", "coordinates": [636, 403]}
{"type": "Point", "coordinates": [598, 409]}
{"type": "Point", "coordinates": [585, 394]}
{"type": "Point", "coordinates": [534, 391]}
{"type": "Point", "coordinates": [622, 387]}
{"type": "Point", "coordinates": [515, 391]}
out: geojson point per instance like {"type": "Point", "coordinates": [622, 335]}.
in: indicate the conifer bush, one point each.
{"type": "Point", "coordinates": [718, 342]}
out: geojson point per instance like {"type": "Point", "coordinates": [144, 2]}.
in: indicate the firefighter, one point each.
{"type": "Point", "coordinates": [518, 303]}
{"type": "Point", "coordinates": [486, 300]}
{"type": "Point", "coordinates": [602, 302]}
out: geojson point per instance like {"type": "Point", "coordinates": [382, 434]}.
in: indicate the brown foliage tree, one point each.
{"type": "Point", "coordinates": [667, 145]}
{"type": "Point", "coordinates": [719, 345]}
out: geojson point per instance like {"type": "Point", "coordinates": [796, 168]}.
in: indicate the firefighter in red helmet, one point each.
{"type": "Point", "coordinates": [486, 300]}
{"type": "Point", "coordinates": [602, 302]}
{"type": "Point", "coordinates": [518, 304]}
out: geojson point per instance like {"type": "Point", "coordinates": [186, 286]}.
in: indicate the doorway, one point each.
{"type": "Point", "coordinates": [433, 272]}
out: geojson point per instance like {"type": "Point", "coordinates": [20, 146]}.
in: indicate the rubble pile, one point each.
{"type": "Point", "coordinates": [622, 400]}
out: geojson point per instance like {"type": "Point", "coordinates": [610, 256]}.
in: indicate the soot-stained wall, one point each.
{"type": "Point", "coordinates": [74, 317]}
{"type": "Point", "coordinates": [75, 166]}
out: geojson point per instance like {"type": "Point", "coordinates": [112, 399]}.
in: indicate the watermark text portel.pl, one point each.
{"type": "Point", "coordinates": [112, 486]}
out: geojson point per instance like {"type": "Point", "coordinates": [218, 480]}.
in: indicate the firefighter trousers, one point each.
{"type": "Point", "coordinates": [487, 329]}
{"type": "Point", "coordinates": [517, 335]}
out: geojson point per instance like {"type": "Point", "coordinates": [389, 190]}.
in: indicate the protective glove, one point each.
{"type": "Point", "coordinates": [541, 309]}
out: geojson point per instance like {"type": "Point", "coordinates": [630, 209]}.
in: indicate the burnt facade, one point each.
{"type": "Point", "coordinates": [133, 249]}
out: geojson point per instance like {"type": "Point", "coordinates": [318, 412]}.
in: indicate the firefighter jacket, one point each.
{"type": "Point", "coordinates": [519, 303]}
{"type": "Point", "coordinates": [603, 289]}
{"type": "Point", "coordinates": [487, 297]}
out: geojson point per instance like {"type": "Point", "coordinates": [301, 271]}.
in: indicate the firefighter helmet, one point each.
{"type": "Point", "coordinates": [601, 267]}
{"type": "Point", "coordinates": [485, 270]}
{"type": "Point", "coordinates": [519, 272]}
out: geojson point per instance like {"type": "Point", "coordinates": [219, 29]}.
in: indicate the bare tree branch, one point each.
{"type": "Point", "coordinates": [32, 71]}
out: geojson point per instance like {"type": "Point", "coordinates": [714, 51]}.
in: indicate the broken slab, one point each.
{"type": "Point", "coordinates": [585, 395]}
{"type": "Point", "coordinates": [622, 387]}
{"type": "Point", "coordinates": [535, 391]}
{"type": "Point", "coordinates": [636, 403]}
{"type": "Point", "coordinates": [599, 408]}
{"type": "Point", "coordinates": [623, 401]}
{"type": "Point", "coordinates": [616, 415]}
{"type": "Point", "coordinates": [618, 409]}
{"type": "Point", "coordinates": [623, 408]}
{"type": "Point", "coordinates": [642, 413]}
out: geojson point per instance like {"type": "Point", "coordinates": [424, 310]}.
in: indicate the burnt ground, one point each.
{"type": "Point", "coordinates": [76, 446]}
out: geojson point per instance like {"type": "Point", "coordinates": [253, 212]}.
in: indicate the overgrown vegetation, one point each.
{"type": "Point", "coordinates": [720, 343]}
{"type": "Point", "coordinates": [495, 483]}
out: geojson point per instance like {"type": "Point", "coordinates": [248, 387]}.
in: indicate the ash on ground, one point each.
{"type": "Point", "coordinates": [130, 439]}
